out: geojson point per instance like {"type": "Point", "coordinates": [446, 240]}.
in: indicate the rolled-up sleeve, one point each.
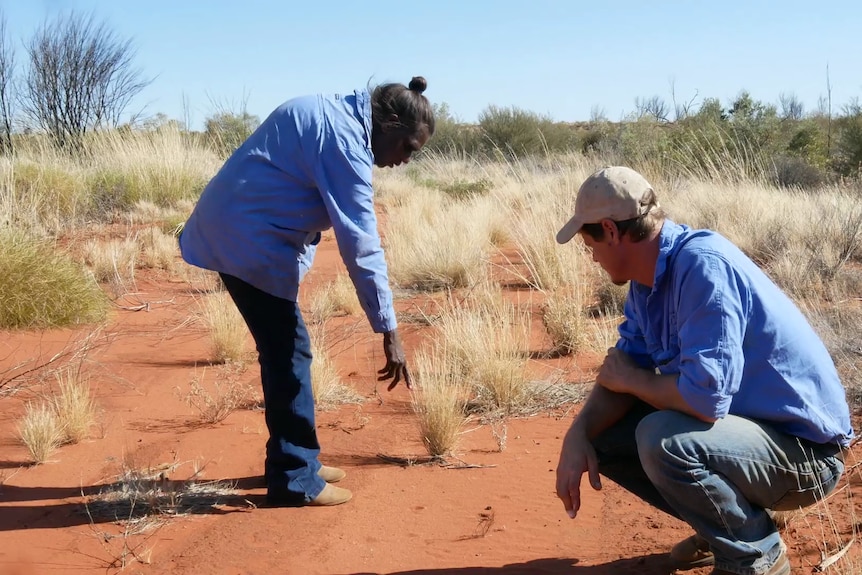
{"type": "Point", "coordinates": [711, 319]}
{"type": "Point", "coordinates": [343, 177]}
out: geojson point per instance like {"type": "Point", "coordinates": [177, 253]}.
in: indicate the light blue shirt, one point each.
{"type": "Point", "coordinates": [305, 169]}
{"type": "Point", "coordinates": [739, 345]}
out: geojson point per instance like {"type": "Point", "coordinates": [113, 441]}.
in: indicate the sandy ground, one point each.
{"type": "Point", "coordinates": [488, 511]}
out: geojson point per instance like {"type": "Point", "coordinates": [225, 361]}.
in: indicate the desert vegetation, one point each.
{"type": "Point", "coordinates": [506, 323]}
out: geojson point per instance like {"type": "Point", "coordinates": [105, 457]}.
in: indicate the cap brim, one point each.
{"type": "Point", "coordinates": [568, 231]}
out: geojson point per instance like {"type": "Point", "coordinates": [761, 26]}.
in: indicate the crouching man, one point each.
{"type": "Point", "coordinates": [719, 403]}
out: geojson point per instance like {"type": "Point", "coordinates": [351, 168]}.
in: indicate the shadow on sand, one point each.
{"type": "Point", "coordinates": [646, 565]}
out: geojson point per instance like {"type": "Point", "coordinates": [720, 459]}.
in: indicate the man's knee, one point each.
{"type": "Point", "coordinates": [661, 434]}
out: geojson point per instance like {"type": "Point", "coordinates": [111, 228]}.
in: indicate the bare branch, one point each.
{"type": "Point", "coordinates": [7, 70]}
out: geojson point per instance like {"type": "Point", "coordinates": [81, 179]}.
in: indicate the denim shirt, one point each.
{"type": "Point", "coordinates": [738, 344]}
{"type": "Point", "coordinates": [305, 169]}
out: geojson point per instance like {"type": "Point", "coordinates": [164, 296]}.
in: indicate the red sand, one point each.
{"type": "Point", "coordinates": [501, 517]}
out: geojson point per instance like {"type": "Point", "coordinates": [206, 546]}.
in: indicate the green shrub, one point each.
{"type": "Point", "coordinates": [464, 190]}
{"type": "Point", "coordinates": [226, 131]}
{"type": "Point", "coordinates": [49, 190]}
{"type": "Point", "coordinates": [42, 287]}
{"type": "Point", "coordinates": [849, 145]}
{"type": "Point", "coordinates": [515, 132]}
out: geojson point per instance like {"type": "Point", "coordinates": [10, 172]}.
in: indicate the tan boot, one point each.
{"type": "Point", "coordinates": [331, 474]}
{"type": "Point", "coordinates": [332, 495]}
{"type": "Point", "coordinates": [780, 567]}
{"type": "Point", "coordinates": [691, 553]}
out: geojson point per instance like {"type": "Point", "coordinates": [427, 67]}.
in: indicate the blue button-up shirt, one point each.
{"type": "Point", "coordinates": [305, 169]}
{"type": "Point", "coordinates": [738, 344]}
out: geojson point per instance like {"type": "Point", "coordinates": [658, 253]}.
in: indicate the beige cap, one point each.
{"type": "Point", "coordinates": [616, 193]}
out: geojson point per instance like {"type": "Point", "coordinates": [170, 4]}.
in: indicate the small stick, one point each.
{"type": "Point", "coordinates": [831, 559]}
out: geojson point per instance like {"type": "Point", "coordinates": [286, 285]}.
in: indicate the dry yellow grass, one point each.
{"type": "Point", "coordinates": [486, 340]}
{"type": "Point", "coordinates": [158, 249]}
{"type": "Point", "coordinates": [227, 330]}
{"type": "Point", "coordinates": [333, 298]}
{"type": "Point", "coordinates": [74, 405]}
{"type": "Point", "coordinates": [432, 243]}
{"type": "Point", "coordinates": [112, 260]}
{"type": "Point", "coordinates": [438, 400]}
{"type": "Point", "coordinates": [40, 431]}
{"type": "Point", "coordinates": [227, 393]}
{"type": "Point", "coordinates": [329, 391]}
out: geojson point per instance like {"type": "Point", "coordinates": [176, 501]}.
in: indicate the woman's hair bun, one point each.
{"type": "Point", "coordinates": [418, 84]}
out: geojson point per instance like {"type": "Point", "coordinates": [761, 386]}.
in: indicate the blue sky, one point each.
{"type": "Point", "coordinates": [562, 58]}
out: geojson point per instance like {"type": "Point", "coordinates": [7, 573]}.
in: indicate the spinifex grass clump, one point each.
{"type": "Point", "coordinates": [41, 287]}
{"type": "Point", "coordinates": [227, 329]}
{"type": "Point", "coordinates": [334, 298]}
{"type": "Point", "coordinates": [486, 343]}
{"type": "Point", "coordinates": [329, 391]}
{"type": "Point", "coordinates": [40, 431]}
{"type": "Point", "coordinates": [436, 244]}
{"type": "Point", "coordinates": [74, 405]}
{"type": "Point", "coordinates": [438, 399]}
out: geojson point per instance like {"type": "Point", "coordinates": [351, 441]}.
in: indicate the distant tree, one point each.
{"type": "Point", "coordinates": [791, 107]}
{"type": "Point", "coordinates": [227, 130]}
{"type": "Point", "coordinates": [711, 109]}
{"type": "Point", "coordinates": [654, 108]}
{"type": "Point", "coordinates": [681, 110]}
{"type": "Point", "coordinates": [7, 70]}
{"type": "Point", "coordinates": [80, 78]}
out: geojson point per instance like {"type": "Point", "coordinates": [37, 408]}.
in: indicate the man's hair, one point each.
{"type": "Point", "coordinates": [637, 229]}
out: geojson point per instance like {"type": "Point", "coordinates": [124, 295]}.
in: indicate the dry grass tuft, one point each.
{"type": "Point", "coordinates": [40, 431]}
{"type": "Point", "coordinates": [227, 329]}
{"type": "Point", "coordinates": [227, 394]}
{"type": "Point", "coordinates": [438, 399]}
{"type": "Point", "coordinates": [145, 498]}
{"type": "Point", "coordinates": [486, 343]}
{"type": "Point", "coordinates": [159, 250]}
{"type": "Point", "coordinates": [565, 322]}
{"type": "Point", "coordinates": [433, 244]}
{"type": "Point", "coordinates": [112, 260]}
{"type": "Point", "coordinates": [334, 298]}
{"type": "Point", "coordinates": [329, 391]}
{"type": "Point", "coordinates": [74, 405]}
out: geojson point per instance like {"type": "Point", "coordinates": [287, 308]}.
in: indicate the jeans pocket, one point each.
{"type": "Point", "coordinates": [813, 486]}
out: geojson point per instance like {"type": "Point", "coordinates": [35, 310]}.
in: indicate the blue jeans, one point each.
{"type": "Point", "coordinates": [720, 478]}
{"type": "Point", "coordinates": [284, 353]}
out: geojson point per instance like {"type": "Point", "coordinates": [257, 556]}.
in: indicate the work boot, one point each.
{"type": "Point", "coordinates": [780, 567]}
{"type": "Point", "coordinates": [331, 474]}
{"type": "Point", "coordinates": [332, 495]}
{"type": "Point", "coordinates": [691, 553]}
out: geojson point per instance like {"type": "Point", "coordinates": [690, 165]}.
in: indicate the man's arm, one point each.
{"type": "Point", "coordinates": [620, 374]}
{"type": "Point", "coordinates": [602, 409]}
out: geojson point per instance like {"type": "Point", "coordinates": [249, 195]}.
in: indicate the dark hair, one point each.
{"type": "Point", "coordinates": [637, 228]}
{"type": "Point", "coordinates": [406, 102]}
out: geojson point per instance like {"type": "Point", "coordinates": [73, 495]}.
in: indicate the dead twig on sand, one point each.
{"type": "Point", "coordinates": [832, 559]}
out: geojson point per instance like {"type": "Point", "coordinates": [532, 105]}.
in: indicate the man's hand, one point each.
{"type": "Point", "coordinates": [576, 457]}
{"type": "Point", "coordinates": [396, 363]}
{"type": "Point", "coordinates": [618, 371]}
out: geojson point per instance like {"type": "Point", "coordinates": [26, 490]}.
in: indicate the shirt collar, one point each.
{"type": "Point", "coordinates": [670, 233]}
{"type": "Point", "coordinates": [363, 108]}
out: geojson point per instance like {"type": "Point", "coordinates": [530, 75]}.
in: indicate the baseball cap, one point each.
{"type": "Point", "coordinates": [616, 192]}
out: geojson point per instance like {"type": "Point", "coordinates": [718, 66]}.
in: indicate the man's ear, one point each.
{"type": "Point", "coordinates": [611, 233]}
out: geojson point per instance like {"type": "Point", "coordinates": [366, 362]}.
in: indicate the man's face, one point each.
{"type": "Point", "coordinates": [608, 252]}
{"type": "Point", "coordinates": [396, 146]}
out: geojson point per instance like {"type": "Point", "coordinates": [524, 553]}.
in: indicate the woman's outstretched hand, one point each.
{"type": "Point", "coordinates": [396, 362]}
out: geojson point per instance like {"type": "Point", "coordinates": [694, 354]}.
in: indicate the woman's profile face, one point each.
{"type": "Point", "coordinates": [395, 146]}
